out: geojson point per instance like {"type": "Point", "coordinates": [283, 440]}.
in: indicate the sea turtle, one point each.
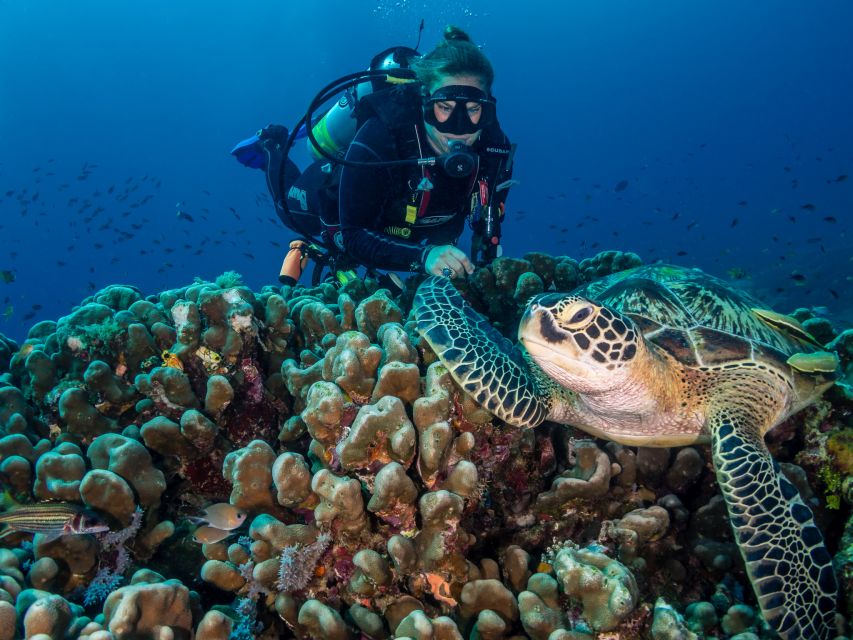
{"type": "Point", "coordinates": [663, 356]}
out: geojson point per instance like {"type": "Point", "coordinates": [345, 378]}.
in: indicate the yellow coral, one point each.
{"type": "Point", "coordinates": [833, 480]}
{"type": "Point", "coordinates": [839, 445]}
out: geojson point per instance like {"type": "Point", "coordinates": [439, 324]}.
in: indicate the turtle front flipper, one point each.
{"type": "Point", "coordinates": [786, 560]}
{"type": "Point", "coordinates": [484, 363]}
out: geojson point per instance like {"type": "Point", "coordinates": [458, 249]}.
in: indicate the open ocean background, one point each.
{"type": "Point", "coordinates": [716, 134]}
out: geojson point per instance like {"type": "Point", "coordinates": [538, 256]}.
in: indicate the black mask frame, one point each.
{"type": "Point", "coordinates": [459, 122]}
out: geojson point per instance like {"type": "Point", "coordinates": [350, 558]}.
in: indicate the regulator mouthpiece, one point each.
{"type": "Point", "coordinates": [460, 161]}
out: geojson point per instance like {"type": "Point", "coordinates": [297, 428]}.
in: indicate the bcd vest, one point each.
{"type": "Point", "coordinates": [399, 108]}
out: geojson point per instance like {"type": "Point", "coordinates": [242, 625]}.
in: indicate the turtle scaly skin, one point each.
{"type": "Point", "coordinates": [665, 356]}
{"type": "Point", "coordinates": [499, 377]}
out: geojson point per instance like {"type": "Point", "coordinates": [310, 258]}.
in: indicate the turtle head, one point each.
{"type": "Point", "coordinates": [579, 343]}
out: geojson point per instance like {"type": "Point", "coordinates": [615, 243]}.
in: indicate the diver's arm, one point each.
{"type": "Point", "coordinates": [363, 192]}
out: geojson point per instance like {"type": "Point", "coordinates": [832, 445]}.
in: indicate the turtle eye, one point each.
{"type": "Point", "coordinates": [580, 315]}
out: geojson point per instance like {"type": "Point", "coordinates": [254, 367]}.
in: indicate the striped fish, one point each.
{"type": "Point", "coordinates": [53, 519]}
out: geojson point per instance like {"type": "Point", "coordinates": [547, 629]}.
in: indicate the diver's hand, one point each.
{"type": "Point", "coordinates": [448, 261]}
{"type": "Point", "coordinates": [278, 133]}
{"type": "Point", "coordinates": [250, 153]}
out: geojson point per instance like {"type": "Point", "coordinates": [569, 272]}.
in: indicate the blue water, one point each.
{"type": "Point", "coordinates": [724, 117]}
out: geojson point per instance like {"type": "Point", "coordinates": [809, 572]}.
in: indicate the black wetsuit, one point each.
{"type": "Point", "coordinates": [368, 221]}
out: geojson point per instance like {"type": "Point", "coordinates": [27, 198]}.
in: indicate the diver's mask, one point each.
{"type": "Point", "coordinates": [459, 121]}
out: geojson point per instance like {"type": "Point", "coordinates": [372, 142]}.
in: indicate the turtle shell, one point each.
{"type": "Point", "coordinates": [695, 316]}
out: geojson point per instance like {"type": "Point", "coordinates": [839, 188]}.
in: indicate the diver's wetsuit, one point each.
{"type": "Point", "coordinates": [371, 201]}
{"type": "Point", "coordinates": [308, 201]}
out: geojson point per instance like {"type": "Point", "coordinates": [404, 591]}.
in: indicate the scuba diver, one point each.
{"type": "Point", "coordinates": [410, 152]}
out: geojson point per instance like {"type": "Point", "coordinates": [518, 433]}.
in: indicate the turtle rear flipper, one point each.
{"type": "Point", "coordinates": [484, 363]}
{"type": "Point", "coordinates": [787, 562]}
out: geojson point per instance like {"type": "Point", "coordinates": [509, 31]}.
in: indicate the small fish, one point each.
{"type": "Point", "coordinates": [830, 219]}
{"type": "Point", "coordinates": [621, 185]}
{"type": "Point", "coordinates": [53, 519]}
{"type": "Point", "coordinates": [171, 360]}
{"type": "Point", "coordinates": [841, 178]}
{"type": "Point", "coordinates": [7, 276]}
{"type": "Point", "coordinates": [224, 515]}
{"type": "Point", "coordinates": [734, 222]}
{"type": "Point", "coordinates": [8, 311]}
{"type": "Point", "coordinates": [737, 273]}
{"type": "Point", "coordinates": [743, 203]}
{"type": "Point", "coordinates": [833, 293]}
{"type": "Point", "coordinates": [209, 358]}
{"type": "Point", "coordinates": [183, 215]}
{"type": "Point", "coordinates": [681, 253]}
{"type": "Point", "coordinates": [808, 207]}
{"type": "Point", "coordinates": [209, 535]}
{"type": "Point", "coordinates": [797, 277]}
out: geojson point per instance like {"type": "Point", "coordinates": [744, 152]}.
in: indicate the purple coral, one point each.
{"type": "Point", "coordinates": [119, 538]}
{"type": "Point", "coordinates": [297, 563]}
{"type": "Point", "coordinates": [109, 577]}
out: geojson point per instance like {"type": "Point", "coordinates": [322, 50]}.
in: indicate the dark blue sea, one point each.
{"type": "Point", "coordinates": [715, 134]}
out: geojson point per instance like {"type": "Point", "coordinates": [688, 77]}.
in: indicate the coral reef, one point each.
{"type": "Point", "coordinates": [381, 501]}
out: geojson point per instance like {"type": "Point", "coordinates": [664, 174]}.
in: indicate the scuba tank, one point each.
{"type": "Point", "coordinates": [337, 128]}
{"type": "Point", "coordinates": [330, 136]}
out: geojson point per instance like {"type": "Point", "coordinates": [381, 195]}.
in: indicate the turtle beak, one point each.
{"type": "Point", "coordinates": [538, 326]}
{"type": "Point", "coordinates": [558, 353]}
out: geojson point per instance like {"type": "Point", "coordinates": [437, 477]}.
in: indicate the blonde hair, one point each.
{"type": "Point", "coordinates": [455, 55]}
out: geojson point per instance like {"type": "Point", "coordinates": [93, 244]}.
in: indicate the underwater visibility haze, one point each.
{"type": "Point", "coordinates": [186, 443]}
{"type": "Point", "coordinates": [714, 135]}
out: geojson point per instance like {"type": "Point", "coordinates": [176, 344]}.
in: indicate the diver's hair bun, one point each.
{"type": "Point", "coordinates": [454, 55]}
{"type": "Point", "coordinates": [455, 33]}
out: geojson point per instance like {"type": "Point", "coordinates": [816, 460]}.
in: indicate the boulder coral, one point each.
{"type": "Point", "coordinates": [296, 462]}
